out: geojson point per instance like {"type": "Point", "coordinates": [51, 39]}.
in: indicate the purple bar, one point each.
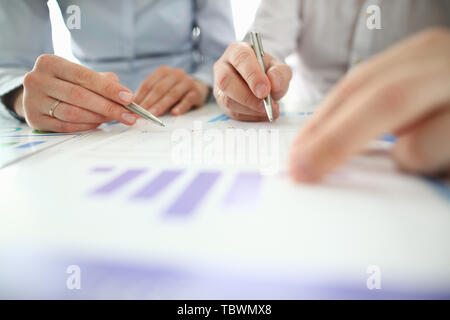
{"type": "Point", "coordinates": [102, 169]}
{"type": "Point", "coordinates": [157, 185]}
{"type": "Point", "coordinates": [245, 190]}
{"type": "Point", "coordinates": [194, 193]}
{"type": "Point", "coordinates": [119, 182]}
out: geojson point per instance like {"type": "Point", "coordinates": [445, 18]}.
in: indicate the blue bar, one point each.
{"type": "Point", "coordinates": [222, 117]}
{"type": "Point", "coordinates": [30, 144]}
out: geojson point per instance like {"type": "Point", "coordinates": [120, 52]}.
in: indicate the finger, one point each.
{"type": "Point", "coordinates": [70, 113]}
{"type": "Point", "coordinates": [390, 101]}
{"type": "Point", "coordinates": [280, 76]}
{"type": "Point", "coordinates": [173, 96]}
{"type": "Point", "coordinates": [228, 81]}
{"type": "Point", "coordinates": [249, 112]}
{"type": "Point", "coordinates": [366, 72]}
{"type": "Point", "coordinates": [148, 84]}
{"type": "Point", "coordinates": [246, 114]}
{"type": "Point", "coordinates": [187, 103]}
{"type": "Point", "coordinates": [243, 59]}
{"type": "Point", "coordinates": [422, 149]}
{"type": "Point", "coordinates": [48, 123]}
{"type": "Point", "coordinates": [111, 75]}
{"type": "Point", "coordinates": [231, 105]}
{"type": "Point", "coordinates": [86, 78]}
{"type": "Point", "coordinates": [245, 117]}
{"type": "Point", "coordinates": [86, 99]}
{"type": "Point", "coordinates": [161, 88]}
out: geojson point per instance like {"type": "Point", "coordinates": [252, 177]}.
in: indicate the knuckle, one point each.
{"type": "Point", "coordinates": [160, 90]}
{"type": "Point", "coordinates": [227, 102]}
{"type": "Point", "coordinates": [164, 68]}
{"type": "Point", "coordinates": [76, 94]}
{"type": "Point", "coordinates": [192, 97]}
{"type": "Point", "coordinates": [175, 93]}
{"type": "Point", "coordinates": [113, 75]}
{"type": "Point", "coordinates": [83, 75]}
{"type": "Point", "coordinates": [110, 88]}
{"type": "Point", "coordinates": [223, 80]}
{"type": "Point", "coordinates": [30, 79]}
{"type": "Point", "coordinates": [240, 55]}
{"type": "Point", "coordinates": [179, 72]}
{"type": "Point", "coordinates": [392, 97]}
{"type": "Point", "coordinates": [44, 61]}
{"type": "Point", "coordinates": [109, 108]}
{"type": "Point", "coordinates": [250, 77]}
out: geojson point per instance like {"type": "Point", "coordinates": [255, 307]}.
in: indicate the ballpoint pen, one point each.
{"type": "Point", "coordinates": [259, 51]}
{"type": "Point", "coordinates": [137, 109]}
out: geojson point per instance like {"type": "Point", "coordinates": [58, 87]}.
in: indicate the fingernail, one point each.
{"type": "Point", "coordinates": [129, 117]}
{"type": "Point", "coordinates": [261, 90]}
{"type": "Point", "coordinates": [126, 96]}
{"type": "Point", "coordinates": [153, 111]}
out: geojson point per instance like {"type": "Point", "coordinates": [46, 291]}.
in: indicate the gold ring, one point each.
{"type": "Point", "coordinates": [51, 112]}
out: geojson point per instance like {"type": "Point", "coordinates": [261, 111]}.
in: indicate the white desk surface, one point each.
{"type": "Point", "coordinates": [91, 200]}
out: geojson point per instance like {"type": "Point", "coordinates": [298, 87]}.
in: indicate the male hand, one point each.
{"type": "Point", "coordinates": [171, 89]}
{"type": "Point", "coordinates": [240, 83]}
{"type": "Point", "coordinates": [404, 91]}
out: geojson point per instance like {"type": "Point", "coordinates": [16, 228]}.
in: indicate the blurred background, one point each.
{"type": "Point", "coordinates": [243, 13]}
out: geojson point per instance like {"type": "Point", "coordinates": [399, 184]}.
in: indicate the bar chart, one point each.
{"type": "Point", "coordinates": [18, 142]}
{"type": "Point", "coordinates": [241, 192]}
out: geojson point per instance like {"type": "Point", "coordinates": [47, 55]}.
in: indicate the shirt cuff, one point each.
{"type": "Point", "coordinates": [6, 86]}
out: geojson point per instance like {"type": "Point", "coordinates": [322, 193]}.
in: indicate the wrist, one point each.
{"type": "Point", "coordinates": [204, 90]}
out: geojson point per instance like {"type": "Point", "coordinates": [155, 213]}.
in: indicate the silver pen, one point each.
{"type": "Point", "coordinates": [259, 51]}
{"type": "Point", "coordinates": [137, 109]}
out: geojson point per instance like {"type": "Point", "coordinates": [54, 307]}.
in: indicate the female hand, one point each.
{"type": "Point", "coordinates": [404, 91]}
{"type": "Point", "coordinates": [171, 89]}
{"type": "Point", "coordinates": [87, 98]}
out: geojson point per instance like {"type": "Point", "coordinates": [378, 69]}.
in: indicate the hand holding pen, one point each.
{"type": "Point", "coordinates": [62, 96]}
{"type": "Point", "coordinates": [241, 85]}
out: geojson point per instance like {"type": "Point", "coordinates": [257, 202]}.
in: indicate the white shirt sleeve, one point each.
{"type": "Point", "coordinates": [278, 22]}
